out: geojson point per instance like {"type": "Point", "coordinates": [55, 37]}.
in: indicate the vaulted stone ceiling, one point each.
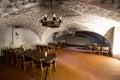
{"type": "Point", "coordinates": [24, 12]}
{"type": "Point", "coordinates": [9, 6]}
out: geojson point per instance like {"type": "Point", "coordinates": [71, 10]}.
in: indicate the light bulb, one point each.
{"type": "Point", "coordinates": [45, 54]}
{"type": "Point", "coordinates": [54, 15]}
{"type": "Point", "coordinates": [45, 15]}
{"type": "Point", "coordinates": [60, 17]}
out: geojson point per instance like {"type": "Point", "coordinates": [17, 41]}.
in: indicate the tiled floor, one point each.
{"type": "Point", "coordinates": [71, 65]}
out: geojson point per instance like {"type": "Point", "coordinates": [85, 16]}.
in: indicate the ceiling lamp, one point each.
{"type": "Point", "coordinates": [54, 22]}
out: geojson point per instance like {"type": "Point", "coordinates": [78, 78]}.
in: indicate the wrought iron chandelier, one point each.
{"type": "Point", "coordinates": [54, 22]}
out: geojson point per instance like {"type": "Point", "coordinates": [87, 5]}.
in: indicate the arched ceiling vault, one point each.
{"type": "Point", "coordinates": [83, 12]}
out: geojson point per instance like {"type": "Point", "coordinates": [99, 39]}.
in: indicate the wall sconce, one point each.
{"type": "Point", "coordinates": [16, 34]}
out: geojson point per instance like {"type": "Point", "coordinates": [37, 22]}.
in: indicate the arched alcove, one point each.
{"type": "Point", "coordinates": [66, 27]}
{"type": "Point", "coordinates": [73, 37]}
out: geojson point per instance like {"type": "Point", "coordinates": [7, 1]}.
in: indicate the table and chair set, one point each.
{"type": "Point", "coordinates": [38, 63]}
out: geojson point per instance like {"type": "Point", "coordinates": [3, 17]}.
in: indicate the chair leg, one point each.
{"type": "Point", "coordinates": [54, 66]}
{"type": "Point", "coordinates": [42, 74]}
{"type": "Point", "coordinates": [19, 65]}
{"type": "Point", "coordinates": [39, 73]}
{"type": "Point", "coordinates": [24, 68]}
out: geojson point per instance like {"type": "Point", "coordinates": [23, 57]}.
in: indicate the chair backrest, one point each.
{"type": "Point", "coordinates": [105, 49]}
{"type": "Point", "coordinates": [97, 48]}
{"type": "Point", "coordinates": [21, 57]}
{"type": "Point", "coordinates": [90, 47]}
{"type": "Point", "coordinates": [13, 55]}
{"type": "Point", "coordinates": [39, 64]}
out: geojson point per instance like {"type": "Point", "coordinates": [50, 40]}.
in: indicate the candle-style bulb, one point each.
{"type": "Point", "coordinates": [42, 17]}
{"type": "Point", "coordinates": [45, 15]}
{"type": "Point", "coordinates": [54, 15]}
{"type": "Point", "coordinates": [45, 54]}
{"type": "Point", "coordinates": [60, 17]}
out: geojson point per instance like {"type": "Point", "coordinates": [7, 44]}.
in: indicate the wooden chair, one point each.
{"type": "Point", "coordinates": [42, 48]}
{"type": "Point", "coordinates": [53, 66]}
{"type": "Point", "coordinates": [13, 58]}
{"type": "Point", "coordinates": [6, 55]}
{"type": "Point", "coordinates": [105, 50]}
{"type": "Point", "coordinates": [43, 69]}
{"type": "Point", "coordinates": [61, 44]}
{"type": "Point", "coordinates": [51, 49]}
{"type": "Point", "coordinates": [97, 49]}
{"type": "Point", "coordinates": [39, 69]}
{"type": "Point", "coordinates": [22, 62]}
{"type": "Point", "coordinates": [90, 48]}
{"type": "Point", "coordinates": [38, 48]}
